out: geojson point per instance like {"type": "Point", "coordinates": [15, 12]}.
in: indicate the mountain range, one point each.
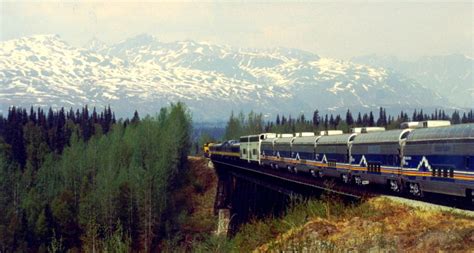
{"type": "Point", "coordinates": [449, 75]}
{"type": "Point", "coordinates": [145, 74]}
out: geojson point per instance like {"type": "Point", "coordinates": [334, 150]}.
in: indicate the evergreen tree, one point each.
{"type": "Point", "coordinates": [349, 119]}
{"type": "Point", "coordinates": [359, 120]}
{"type": "Point", "coordinates": [316, 119]}
{"type": "Point", "coordinates": [455, 118]}
{"type": "Point", "coordinates": [135, 118]}
{"type": "Point", "coordinates": [371, 119]}
{"type": "Point", "coordinates": [326, 122]}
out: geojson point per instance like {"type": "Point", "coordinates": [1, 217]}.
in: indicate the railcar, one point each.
{"type": "Point", "coordinates": [333, 154]}
{"type": "Point", "coordinates": [250, 146]}
{"type": "Point", "coordinates": [376, 157]}
{"type": "Point", "coordinates": [228, 150]}
{"type": "Point", "coordinates": [440, 160]}
{"type": "Point", "coordinates": [283, 157]}
{"type": "Point", "coordinates": [267, 153]}
{"type": "Point", "coordinates": [304, 152]}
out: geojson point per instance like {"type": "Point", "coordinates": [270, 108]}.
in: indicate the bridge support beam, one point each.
{"type": "Point", "coordinates": [223, 222]}
{"type": "Point", "coordinates": [222, 203]}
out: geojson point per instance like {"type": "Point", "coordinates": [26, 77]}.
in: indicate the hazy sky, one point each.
{"type": "Point", "coordinates": [342, 29]}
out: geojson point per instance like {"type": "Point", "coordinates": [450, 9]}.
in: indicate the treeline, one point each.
{"type": "Point", "coordinates": [255, 123]}
{"type": "Point", "coordinates": [90, 183]}
{"type": "Point", "coordinates": [32, 135]}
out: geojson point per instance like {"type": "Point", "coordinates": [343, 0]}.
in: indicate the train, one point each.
{"type": "Point", "coordinates": [420, 157]}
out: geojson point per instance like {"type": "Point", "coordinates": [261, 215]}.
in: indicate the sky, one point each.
{"type": "Point", "coordinates": [339, 29]}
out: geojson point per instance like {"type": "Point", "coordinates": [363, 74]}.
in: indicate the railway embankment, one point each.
{"type": "Point", "coordinates": [381, 224]}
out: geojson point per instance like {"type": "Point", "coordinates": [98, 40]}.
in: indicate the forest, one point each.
{"type": "Point", "coordinates": [254, 123]}
{"type": "Point", "coordinates": [85, 182]}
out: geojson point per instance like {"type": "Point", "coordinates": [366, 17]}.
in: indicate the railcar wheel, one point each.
{"type": "Point", "coordinates": [357, 180]}
{"type": "Point", "coordinates": [345, 178]}
{"type": "Point", "coordinates": [415, 190]}
{"type": "Point", "coordinates": [320, 174]}
{"type": "Point", "coordinates": [394, 186]}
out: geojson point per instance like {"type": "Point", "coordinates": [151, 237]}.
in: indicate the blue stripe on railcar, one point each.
{"type": "Point", "coordinates": [306, 155]}
{"type": "Point", "coordinates": [438, 161]}
{"type": "Point", "coordinates": [384, 160]}
{"type": "Point", "coordinates": [286, 154]}
{"type": "Point", "coordinates": [269, 152]}
{"type": "Point", "coordinates": [331, 157]}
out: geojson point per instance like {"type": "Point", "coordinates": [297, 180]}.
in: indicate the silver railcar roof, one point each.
{"type": "Point", "coordinates": [461, 131]}
{"type": "Point", "coordinates": [335, 139]}
{"type": "Point", "coordinates": [306, 140]}
{"type": "Point", "coordinates": [392, 136]}
{"type": "Point", "coordinates": [284, 140]}
{"type": "Point", "coordinates": [269, 140]}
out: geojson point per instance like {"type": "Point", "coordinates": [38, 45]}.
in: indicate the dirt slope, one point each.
{"type": "Point", "coordinates": [378, 225]}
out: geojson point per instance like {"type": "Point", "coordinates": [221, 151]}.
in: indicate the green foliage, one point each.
{"type": "Point", "coordinates": [238, 125]}
{"type": "Point", "coordinates": [109, 194]}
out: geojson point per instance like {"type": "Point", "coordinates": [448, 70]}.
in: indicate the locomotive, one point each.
{"type": "Point", "coordinates": [429, 156]}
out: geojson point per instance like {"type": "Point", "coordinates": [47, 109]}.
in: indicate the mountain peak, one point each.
{"type": "Point", "coordinates": [140, 39]}
{"type": "Point", "coordinates": [43, 37]}
{"type": "Point", "coordinates": [35, 43]}
{"type": "Point", "coordinates": [94, 44]}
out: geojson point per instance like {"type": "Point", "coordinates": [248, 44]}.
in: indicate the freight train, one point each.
{"type": "Point", "coordinates": [429, 156]}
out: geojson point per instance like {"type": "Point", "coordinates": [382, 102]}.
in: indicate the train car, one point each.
{"type": "Point", "coordinates": [440, 160]}
{"type": "Point", "coordinates": [376, 158]}
{"type": "Point", "coordinates": [283, 157]}
{"type": "Point", "coordinates": [267, 153]}
{"type": "Point", "coordinates": [250, 146]}
{"type": "Point", "coordinates": [304, 153]}
{"type": "Point", "coordinates": [333, 155]}
{"type": "Point", "coordinates": [228, 150]}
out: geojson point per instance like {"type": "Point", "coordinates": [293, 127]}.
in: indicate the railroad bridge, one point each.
{"type": "Point", "coordinates": [247, 191]}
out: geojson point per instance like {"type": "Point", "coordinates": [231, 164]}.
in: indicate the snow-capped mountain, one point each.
{"type": "Point", "coordinates": [143, 73]}
{"type": "Point", "coordinates": [449, 75]}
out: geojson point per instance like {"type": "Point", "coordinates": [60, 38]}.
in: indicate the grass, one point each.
{"type": "Point", "coordinates": [380, 225]}
{"type": "Point", "coordinates": [259, 232]}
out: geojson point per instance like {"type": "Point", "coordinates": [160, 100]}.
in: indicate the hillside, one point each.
{"type": "Point", "coordinates": [376, 225]}
{"type": "Point", "coordinates": [144, 73]}
{"type": "Point", "coordinates": [380, 225]}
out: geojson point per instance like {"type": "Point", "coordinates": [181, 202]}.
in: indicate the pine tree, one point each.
{"type": "Point", "coordinates": [455, 118]}
{"type": "Point", "coordinates": [349, 118]}
{"type": "Point", "coordinates": [359, 121]}
{"type": "Point", "coordinates": [326, 122]}
{"type": "Point", "coordinates": [316, 119]}
{"type": "Point", "coordinates": [135, 118]}
{"type": "Point", "coordinates": [371, 119]}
